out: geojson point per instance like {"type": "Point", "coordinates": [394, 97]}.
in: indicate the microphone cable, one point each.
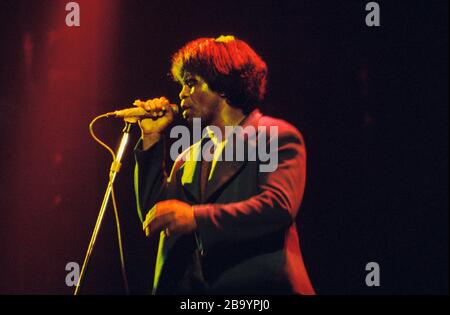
{"type": "Point", "coordinates": [116, 212]}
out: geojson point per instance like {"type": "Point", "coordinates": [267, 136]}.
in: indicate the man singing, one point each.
{"type": "Point", "coordinates": [226, 226]}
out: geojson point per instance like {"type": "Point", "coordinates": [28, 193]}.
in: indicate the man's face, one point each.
{"type": "Point", "coordinates": [197, 100]}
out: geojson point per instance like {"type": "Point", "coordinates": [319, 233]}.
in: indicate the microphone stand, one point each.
{"type": "Point", "coordinates": [115, 167]}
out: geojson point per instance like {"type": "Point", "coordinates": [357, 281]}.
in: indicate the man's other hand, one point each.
{"type": "Point", "coordinates": [170, 216]}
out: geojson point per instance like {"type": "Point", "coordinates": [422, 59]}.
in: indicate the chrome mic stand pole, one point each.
{"type": "Point", "coordinates": [115, 167]}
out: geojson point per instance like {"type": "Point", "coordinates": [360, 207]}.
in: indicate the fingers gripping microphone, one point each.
{"type": "Point", "coordinates": [138, 112]}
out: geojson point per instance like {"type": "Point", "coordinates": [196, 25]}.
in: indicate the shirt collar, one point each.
{"type": "Point", "coordinates": [210, 133]}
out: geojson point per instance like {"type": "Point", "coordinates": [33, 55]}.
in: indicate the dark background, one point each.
{"type": "Point", "coordinates": [372, 104]}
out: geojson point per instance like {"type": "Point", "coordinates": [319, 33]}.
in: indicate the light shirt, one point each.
{"type": "Point", "coordinates": [219, 146]}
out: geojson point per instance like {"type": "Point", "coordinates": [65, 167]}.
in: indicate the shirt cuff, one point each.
{"type": "Point", "coordinates": [205, 226]}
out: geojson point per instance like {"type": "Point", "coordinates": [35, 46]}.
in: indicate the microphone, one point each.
{"type": "Point", "coordinates": [138, 112]}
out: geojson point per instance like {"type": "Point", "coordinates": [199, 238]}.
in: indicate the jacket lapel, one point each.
{"type": "Point", "coordinates": [190, 179]}
{"type": "Point", "coordinates": [225, 170]}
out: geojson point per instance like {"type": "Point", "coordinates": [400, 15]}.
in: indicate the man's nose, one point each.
{"type": "Point", "coordinates": [184, 92]}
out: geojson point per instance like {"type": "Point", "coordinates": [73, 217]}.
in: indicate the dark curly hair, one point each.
{"type": "Point", "coordinates": [229, 66]}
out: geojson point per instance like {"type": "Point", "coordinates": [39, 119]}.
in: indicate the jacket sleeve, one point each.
{"type": "Point", "coordinates": [150, 178]}
{"type": "Point", "coordinates": [273, 208]}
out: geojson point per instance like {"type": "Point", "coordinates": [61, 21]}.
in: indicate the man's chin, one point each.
{"type": "Point", "coordinates": [189, 119]}
{"type": "Point", "coordinates": [189, 116]}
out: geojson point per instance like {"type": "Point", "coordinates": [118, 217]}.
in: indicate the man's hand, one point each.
{"type": "Point", "coordinates": [151, 128]}
{"type": "Point", "coordinates": [171, 216]}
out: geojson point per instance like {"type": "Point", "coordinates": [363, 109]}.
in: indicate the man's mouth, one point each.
{"type": "Point", "coordinates": [186, 109]}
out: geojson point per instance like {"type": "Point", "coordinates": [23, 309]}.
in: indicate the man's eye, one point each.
{"type": "Point", "coordinates": [190, 83]}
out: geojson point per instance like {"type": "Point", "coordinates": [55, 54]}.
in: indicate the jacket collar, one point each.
{"type": "Point", "coordinates": [224, 170]}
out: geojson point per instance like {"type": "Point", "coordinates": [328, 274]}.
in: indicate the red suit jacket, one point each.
{"type": "Point", "coordinates": [246, 241]}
